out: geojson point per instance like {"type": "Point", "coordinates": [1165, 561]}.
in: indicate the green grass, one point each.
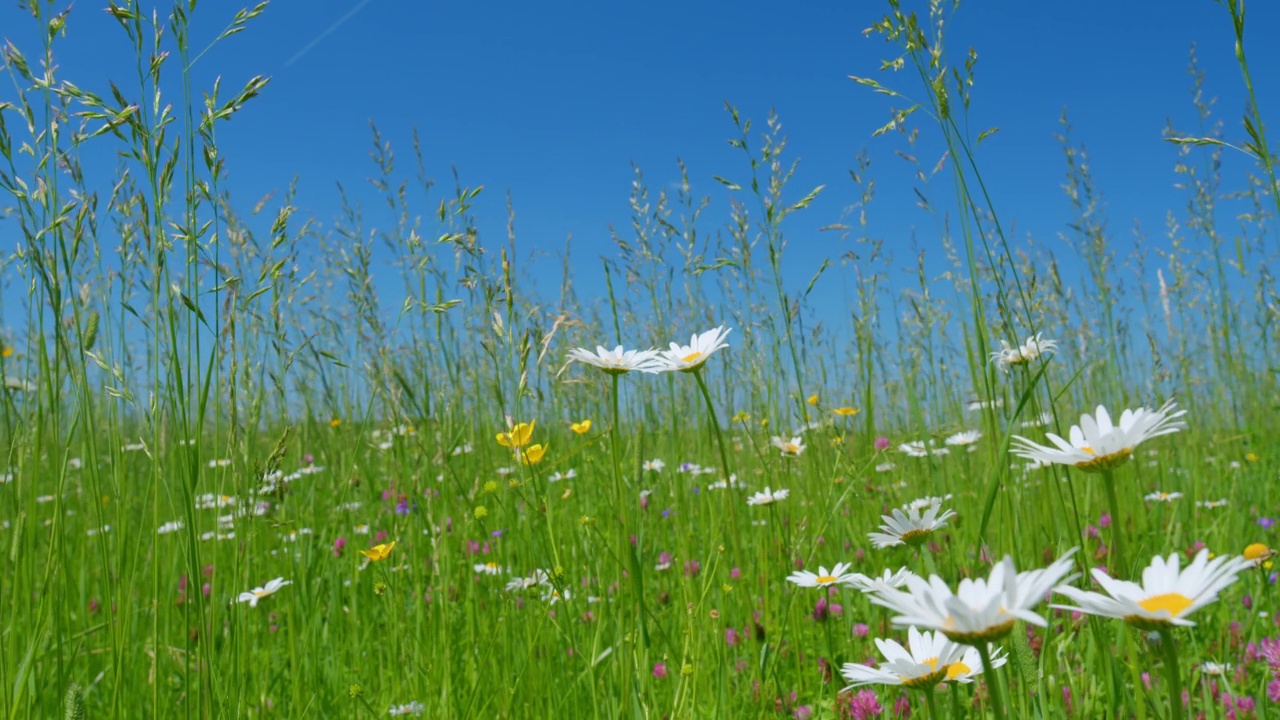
{"type": "Point", "coordinates": [176, 344]}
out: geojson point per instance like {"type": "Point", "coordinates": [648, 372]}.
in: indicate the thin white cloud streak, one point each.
{"type": "Point", "coordinates": [331, 30]}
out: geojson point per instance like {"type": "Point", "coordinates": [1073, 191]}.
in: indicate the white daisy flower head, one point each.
{"type": "Point", "coordinates": [414, 708]}
{"type": "Point", "coordinates": [1029, 351]}
{"type": "Point", "coordinates": [253, 596]}
{"type": "Point", "coordinates": [537, 578]}
{"type": "Point", "coordinates": [823, 578]}
{"type": "Point", "coordinates": [768, 497]}
{"type": "Point", "coordinates": [911, 525]}
{"type": "Point", "coordinates": [789, 448]}
{"type": "Point", "coordinates": [885, 467]}
{"type": "Point", "coordinates": [654, 465]}
{"type": "Point", "coordinates": [1162, 496]}
{"type": "Point", "coordinates": [488, 568]}
{"type": "Point", "coordinates": [691, 357]}
{"type": "Point", "coordinates": [1215, 669]}
{"type": "Point", "coordinates": [1097, 444]}
{"type": "Point", "coordinates": [965, 437]}
{"type": "Point", "coordinates": [619, 361]}
{"type": "Point", "coordinates": [1212, 504]}
{"type": "Point", "coordinates": [979, 610]}
{"type": "Point", "coordinates": [925, 662]}
{"type": "Point", "coordinates": [170, 527]}
{"type": "Point", "coordinates": [1167, 594]}
{"type": "Point", "coordinates": [891, 579]}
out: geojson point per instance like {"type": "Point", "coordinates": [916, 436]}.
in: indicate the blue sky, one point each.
{"type": "Point", "coordinates": [552, 101]}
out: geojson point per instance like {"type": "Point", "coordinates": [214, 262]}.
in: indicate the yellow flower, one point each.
{"type": "Point", "coordinates": [582, 428]}
{"type": "Point", "coordinates": [6, 352]}
{"type": "Point", "coordinates": [846, 411]}
{"type": "Point", "coordinates": [812, 399]}
{"type": "Point", "coordinates": [379, 552]}
{"type": "Point", "coordinates": [335, 422]}
{"type": "Point", "coordinates": [1251, 457]}
{"type": "Point", "coordinates": [1258, 553]}
{"type": "Point", "coordinates": [741, 416]}
{"type": "Point", "coordinates": [519, 436]}
{"type": "Point", "coordinates": [533, 454]}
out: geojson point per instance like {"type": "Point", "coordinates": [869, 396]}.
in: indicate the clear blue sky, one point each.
{"type": "Point", "coordinates": [552, 101]}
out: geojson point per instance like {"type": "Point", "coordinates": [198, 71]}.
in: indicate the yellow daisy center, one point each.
{"type": "Point", "coordinates": [1173, 603]}
{"type": "Point", "coordinates": [825, 579]}
{"type": "Point", "coordinates": [914, 537]}
{"type": "Point", "coordinates": [261, 593]}
{"type": "Point", "coordinates": [691, 357]}
{"type": "Point", "coordinates": [1088, 449]}
{"type": "Point", "coordinates": [956, 669]}
{"type": "Point", "coordinates": [491, 565]}
{"type": "Point", "coordinates": [1255, 551]}
{"type": "Point", "coordinates": [929, 679]}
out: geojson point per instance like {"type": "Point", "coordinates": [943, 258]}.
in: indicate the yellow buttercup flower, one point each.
{"type": "Point", "coordinates": [519, 436]}
{"type": "Point", "coordinates": [6, 352]}
{"type": "Point", "coordinates": [1251, 457]}
{"type": "Point", "coordinates": [582, 428]}
{"type": "Point", "coordinates": [532, 455]}
{"type": "Point", "coordinates": [812, 399]}
{"type": "Point", "coordinates": [379, 552]}
{"type": "Point", "coordinates": [846, 411]}
{"type": "Point", "coordinates": [335, 422]}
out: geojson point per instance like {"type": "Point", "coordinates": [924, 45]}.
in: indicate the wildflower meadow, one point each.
{"type": "Point", "coordinates": [262, 460]}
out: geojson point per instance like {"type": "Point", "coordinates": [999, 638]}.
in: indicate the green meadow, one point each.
{"type": "Point", "coordinates": [250, 471]}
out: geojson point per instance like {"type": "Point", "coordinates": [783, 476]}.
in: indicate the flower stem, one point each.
{"type": "Point", "coordinates": [993, 682]}
{"type": "Point", "coordinates": [931, 703]}
{"type": "Point", "coordinates": [1117, 533]}
{"type": "Point", "coordinates": [625, 550]}
{"type": "Point", "coordinates": [1172, 674]}
{"type": "Point", "coordinates": [724, 459]}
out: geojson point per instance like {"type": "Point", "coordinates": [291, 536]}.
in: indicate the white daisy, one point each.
{"type": "Point", "coordinates": [1097, 444]}
{"type": "Point", "coordinates": [414, 708]}
{"type": "Point", "coordinates": [1166, 595]}
{"type": "Point", "coordinates": [489, 568]}
{"type": "Point", "coordinates": [888, 579]}
{"type": "Point", "coordinates": [557, 476]}
{"type": "Point", "coordinates": [789, 448]}
{"type": "Point", "coordinates": [619, 361]}
{"type": "Point", "coordinates": [253, 596]}
{"type": "Point", "coordinates": [1027, 352]}
{"type": "Point", "coordinates": [539, 577]}
{"type": "Point", "coordinates": [688, 358]}
{"type": "Point", "coordinates": [980, 610]}
{"type": "Point", "coordinates": [1162, 496]}
{"type": "Point", "coordinates": [654, 465]}
{"type": "Point", "coordinates": [823, 578]}
{"type": "Point", "coordinates": [1215, 669]}
{"type": "Point", "coordinates": [925, 662]}
{"type": "Point", "coordinates": [1211, 504]}
{"type": "Point", "coordinates": [965, 437]}
{"type": "Point", "coordinates": [767, 496]}
{"type": "Point", "coordinates": [885, 467]}
{"type": "Point", "coordinates": [171, 526]}
{"type": "Point", "coordinates": [909, 526]}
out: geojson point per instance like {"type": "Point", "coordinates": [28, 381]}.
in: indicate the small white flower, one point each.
{"type": "Point", "coordinates": [1027, 352]}
{"type": "Point", "coordinates": [966, 437]}
{"type": "Point", "coordinates": [822, 578]}
{"type": "Point", "coordinates": [885, 467]}
{"type": "Point", "coordinates": [1165, 597]}
{"type": "Point", "coordinates": [767, 497]}
{"type": "Point", "coordinates": [1215, 669]}
{"type": "Point", "coordinates": [489, 568]}
{"type": "Point", "coordinates": [1162, 496]}
{"type": "Point", "coordinates": [414, 708]}
{"type": "Point", "coordinates": [688, 358]}
{"type": "Point", "coordinates": [789, 448]}
{"type": "Point", "coordinates": [908, 526]}
{"type": "Point", "coordinates": [891, 579]}
{"type": "Point", "coordinates": [1210, 504]}
{"type": "Point", "coordinates": [654, 465]}
{"type": "Point", "coordinates": [171, 526]}
{"type": "Point", "coordinates": [619, 361]}
{"type": "Point", "coordinates": [926, 661]}
{"type": "Point", "coordinates": [980, 609]}
{"type": "Point", "coordinates": [253, 596]}
{"type": "Point", "coordinates": [1096, 444]}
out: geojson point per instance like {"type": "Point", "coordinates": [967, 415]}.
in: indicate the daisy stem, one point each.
{"type": "Point", "coordinates": [624, 551]}
{"type": "Point", "coordinates": [724, 457]}
{"type": "Point", "coordinates": [1172, 673]}
{"type": "Point", "coordinates": [931, 703]}
{"type": "Point", "coordinates": [993, 682]}
{"type": "Point", "coordinates": [1117, 533]}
